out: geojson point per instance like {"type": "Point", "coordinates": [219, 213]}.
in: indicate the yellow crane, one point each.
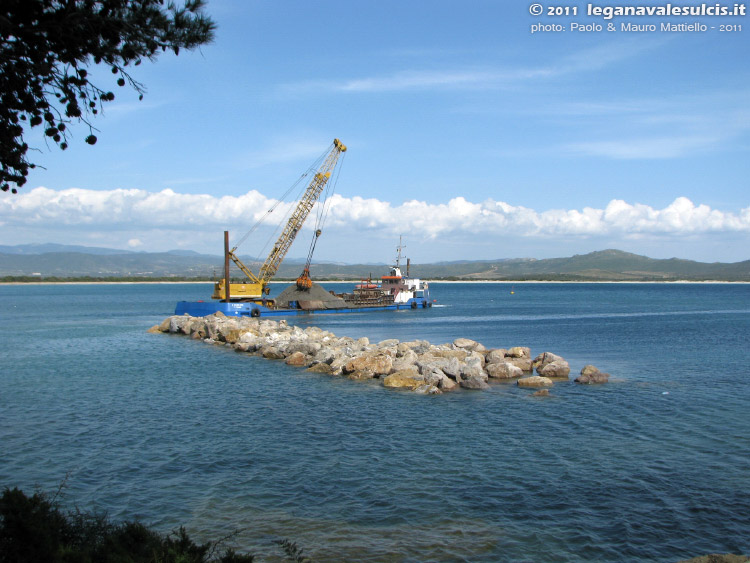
{"type": "Point", "coordinates": [256, 286]}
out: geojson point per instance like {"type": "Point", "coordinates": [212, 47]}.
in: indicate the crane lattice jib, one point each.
{"type": "Point", "coordinates": [245, 270]}
{"type": "Point", "coordinates": [305, 205]}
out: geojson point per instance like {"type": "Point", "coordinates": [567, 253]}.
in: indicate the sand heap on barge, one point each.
{"type": "Point", "coordinates": [309, 299]}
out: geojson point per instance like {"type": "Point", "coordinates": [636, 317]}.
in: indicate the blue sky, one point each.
{"type": "Point", "coordinates": [467, 134]}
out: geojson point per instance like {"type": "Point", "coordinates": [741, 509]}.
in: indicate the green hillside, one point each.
{"type": "Point", "coordinates": [605, 265]}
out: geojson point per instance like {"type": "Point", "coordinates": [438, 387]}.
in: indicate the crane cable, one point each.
{"type": "Point", "coordinates": [323, 209]}
{"type": "Point", "coordinates": [313, 167]}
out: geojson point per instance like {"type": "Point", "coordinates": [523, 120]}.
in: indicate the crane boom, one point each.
{"type": "Point", "coordinates": [258, 285]}
{"type": "Point", "coordinates": [305, 205]}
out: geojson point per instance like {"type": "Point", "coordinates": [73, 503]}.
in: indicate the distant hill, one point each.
{"type": "Point", "coordinates": [604, 265]}
{"type": "Point", "coordinates": [52, 247]}
{"type": "Point", "coordinates": [55, 260]}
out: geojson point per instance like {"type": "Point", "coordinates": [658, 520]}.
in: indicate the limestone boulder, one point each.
{"type": "Point", "coordinates": [403, 380]}
{"type": "Point", "coordinates": [427, 389]}
{"type": "Point", "coordinates": [338, 362]}
{"type": "Point", "coordinates": [524, 364]}
{"type": "Point", "coordinates": [475, 382]}
{"type": "Point", "coordinates": [535, 381]}
{"type": "Point", "coordinates": [447, 384]}
{"type": "Point", "coordinates": [405, 361]}
{"type": "Point", "coordinates": [306, 347]}
{"type": "Point", "coordinates": [591, 374]}
{"type": "Point", "coordinates": [557, 369]}
{"type": "Point", "coordinates": [321, 368]}
{"type": "Point", "coordinates": [434, 378]}
{"type": "Point", "coordinates": [460, 355]}
{"type": "Point", "coordinates": [270, 352]}
{"type": "Point", "coordinates": [298, 359]}
{"type": "Point", "coordinates": [503, 370]}
{"type": "Point", "coordinates": [545, 358]}
{"type": "Point", "coordinates": [177, 323]}
{"type": "Point", "coordinates": [472, 368]}
{"type": "Point", "coordinates": [465, 344]}
{"type": "Point", "coordinates": [496, 356]}
{"type": "Point", "coordinates": [377, 364]}
{"type": "Point", "coordinates": [519, 352]}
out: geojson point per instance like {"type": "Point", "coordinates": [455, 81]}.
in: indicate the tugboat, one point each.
{"type": "Point", "coordinates": [395, 288]}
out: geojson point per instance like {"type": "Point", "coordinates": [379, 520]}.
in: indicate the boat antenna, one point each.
{"type": "Point", "coordinates": [399, 248]}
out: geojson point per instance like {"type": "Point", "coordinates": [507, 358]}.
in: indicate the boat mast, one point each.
{"type": "Point", "coordinates": [399, 248]}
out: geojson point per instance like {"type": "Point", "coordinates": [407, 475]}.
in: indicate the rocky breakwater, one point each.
{"type": "Point", "coordinates": [416, 365]}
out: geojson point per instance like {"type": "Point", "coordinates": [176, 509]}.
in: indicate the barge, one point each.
{"type": "Point", "coordinates": [393, 292]}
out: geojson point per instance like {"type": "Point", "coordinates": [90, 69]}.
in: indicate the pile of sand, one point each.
{"type": "Point", "coordinates": [314, 298]}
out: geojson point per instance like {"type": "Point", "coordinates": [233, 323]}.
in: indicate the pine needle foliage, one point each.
{"type": "Point", "coordinates": [47, 48]}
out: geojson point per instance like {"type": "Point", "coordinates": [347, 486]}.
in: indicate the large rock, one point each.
{"type": "Point", "coordinates": [434, 378]}
{"type": "Point", "coordinates": [297, 359]}
{"type": "Point", "coordinates": [403, 380]}
{"type": "Point", "coordinates": [591, 374]}
{"type": "Point", "coordinates": [405, 361]}
{"type": "Point", "coordinates": [271, 353]}
{"type": "Point", "coordinates": [466, 344]}
{"type": "Point", "coordinates": [452, 368]}
{"type": "Point", "coordinates": [427, 389]}
{"type": "Point", "coordinates": [546, 358]}
{"type": "Point", "coordinates": [178, 323]}
{"type": "Point", "coordinates": [475, 382]}
{"type": "Point", "coordinates": [524, 364]}
{"type": "Point", "coordinates": [428, 363]}
{"type": "Point", "coordinates": [472, 368]}
{"type": "Point", "coordinates": [378, 364]}
{"type": "Point", "coordinates": [321, 368]}
{"type": "Point", "coordinates": [460, 355]}
{"type": "Point", "coordinates": [535, 381]}
{"type": "Point", "coordinates": [519, 352]}
{"type": "Point", "coordinates": [503, 370]}
{"type": "Point", "coordinates": [496, 356]}
{"type": "Point", "coordinates": [557, 369]}
{"type": "Point", "coordinates": [447, 384]}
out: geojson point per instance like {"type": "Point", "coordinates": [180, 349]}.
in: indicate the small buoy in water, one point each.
{"type": "Point", "coordinates": [665, 393]}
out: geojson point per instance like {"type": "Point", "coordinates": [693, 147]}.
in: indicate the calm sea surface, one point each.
{"type": "Point", "coordinates": [654, 466]}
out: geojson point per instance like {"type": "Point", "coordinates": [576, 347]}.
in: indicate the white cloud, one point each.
{"type": "Point", "coordinates": [644, 148]}
{"type": "Point", "coordinates": [474, 77]}
{"type": "Point", "coordinates": [141, 211]}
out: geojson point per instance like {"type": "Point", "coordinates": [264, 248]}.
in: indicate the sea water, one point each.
{"type": "Point", "coordinates": [653, 466]}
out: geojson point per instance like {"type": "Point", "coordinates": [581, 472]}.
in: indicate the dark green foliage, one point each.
{"type": "Point", "coordinates": [45, 47]}
{"type": "Point", "coordinates": [35, 529]}
{"type": "Point", "coordinates": [293, 552]}
{"type": "Point", "coordinates": [31, 528]}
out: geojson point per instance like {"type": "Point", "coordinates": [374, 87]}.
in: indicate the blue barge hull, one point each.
{"type": "Point", "coordinates": [205, 308]}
